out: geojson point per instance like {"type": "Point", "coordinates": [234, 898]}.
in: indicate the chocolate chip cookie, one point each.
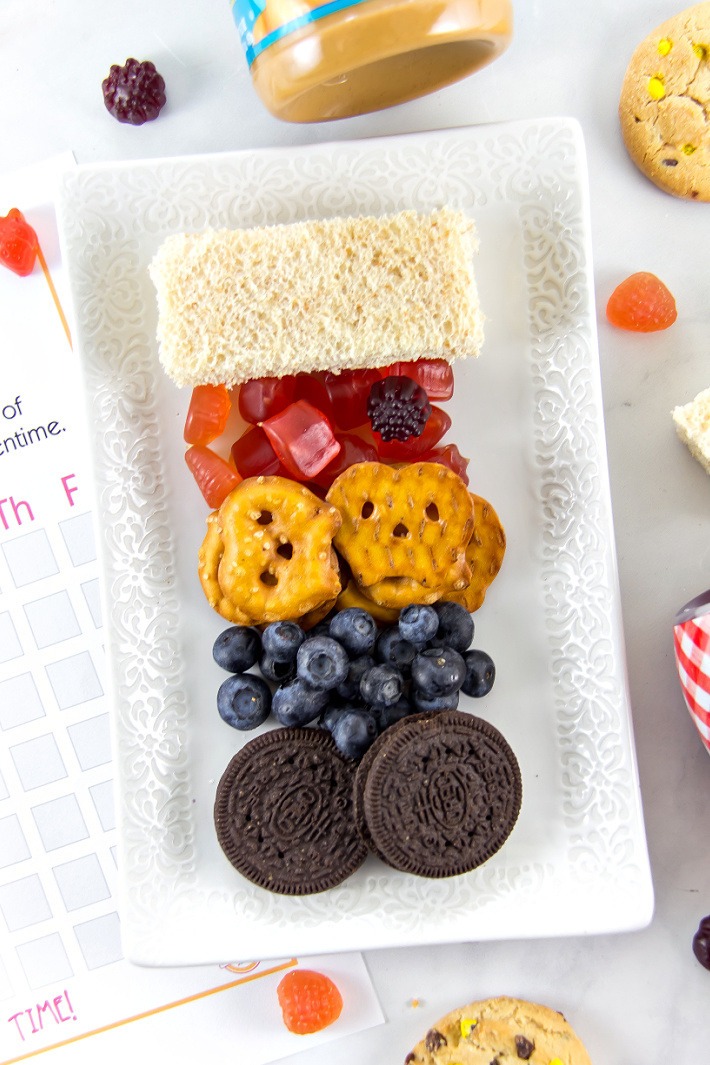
{"type": "Point", "coordinates": [498, 1031]}
{"type": "Point", "coordinates": [665, 102]}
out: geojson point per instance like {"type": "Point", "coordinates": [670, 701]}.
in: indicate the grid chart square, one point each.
{"type": "Point", "coordinates": [4, 790]}
{"type": "Point", "coordinates": [81, 882]}
{"type": "Point", "coordinates": [6, 988]}
{"type": "Point", "coordinates": [102, 798]}
{"type": "Point", "coordinates": [30, 558]}
{"type": "Point", "coordinates": [78, 536]}
{"type": "Point", "coordinates": [91, 741]}
{"type": "Point", "coordinates": [20, 701]}
{"type": "Point", "coordinates": [13, 845]}
{"type": "Point", "coordinates": [92, 595]}
{"type": "Point", "coordinates": [10, 646]}
{"type": "Point", "coordinates": [24, 903]}
{"type": "Point", "coordinates": [60, 822]}
{"type": "Point", "coordinates": [52, 619]}
{"type": "Point", "coordinates": [44, 960]}
{"type": "Point", "coordinates": [74, 680]}
{"type": "Point", "coordinates": [38, 762]}
{"type": "Point", "coordinates": [100, 940]}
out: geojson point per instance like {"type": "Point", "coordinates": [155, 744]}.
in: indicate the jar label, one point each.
{"type": "Point", "coordinates": [261, 22]}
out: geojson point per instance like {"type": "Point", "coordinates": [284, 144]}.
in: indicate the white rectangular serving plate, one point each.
{"type": "Point", "coordinates": [529, 414]}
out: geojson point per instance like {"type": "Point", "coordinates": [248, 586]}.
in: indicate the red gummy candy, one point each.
{"type": "Point", "coordinates": [641, 303]}
{"type": "Point", "coordinates": [449, 455]}
{"type": "Point", "coordinates": [352, 449]}
{"type": "Point", "coordinates": [303, 439]}
{"type": "Point", "coordinates": [254, 456]}
{"type": "Point", "coordinates": [309, 1001]}
{"type": "Point", "coordinates": [18, 243]}
{"type": "Point", "coordinates": [348, 393]}
{"type": "Point", "coordinates": [436, 376]}
{"type": "Point", "coordinates": [214, 477]}
{"type": "Point", "coordinates": [207, 414]}
{"type": "Point", "coordinates": [438, 424]}
{"type": "Point", "coordinates": [263, 396]}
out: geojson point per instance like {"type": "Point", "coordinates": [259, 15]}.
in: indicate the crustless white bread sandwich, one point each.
{"type": "Point", "coordinates": [692, 422]}
{"type": "Point", "coordinates": [346, 293]}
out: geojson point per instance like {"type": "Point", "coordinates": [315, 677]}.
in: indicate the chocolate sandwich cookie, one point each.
{"type": "Point", "coordinates": [284, 812]}
{"type": "Point", "coordinates": [361, 778]}
{"type": "Point", "coordinates": [442, 795]}
{"type": "Point", "coordinates": [500, 1030]}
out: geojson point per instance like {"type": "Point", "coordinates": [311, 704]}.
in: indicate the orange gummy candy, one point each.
{"type": "Point", "coordinates": [309, 1001]}
{"type": "Point", "coordinates": [641, 303]}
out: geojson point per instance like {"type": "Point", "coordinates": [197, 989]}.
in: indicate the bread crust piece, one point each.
{"type": "Point", "coordinates": [343, 293]}
{"type": "Point", "coordinates": [692, 423]}
{"type": "Point", "coordinates": [509, 1027]}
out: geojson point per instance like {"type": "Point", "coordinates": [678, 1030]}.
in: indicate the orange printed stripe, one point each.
{"type": "Point", "coordinates": [52, 289]}
{"type": "Point", "coordinates": [151, 1013]}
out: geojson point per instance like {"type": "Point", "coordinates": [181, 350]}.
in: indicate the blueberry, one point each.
{"type": "Point", "coordinates": [438, 671]}
{"type": "Point", "coordinates": [418, 624]}
{"type": "Point", "coordinates": [455, 626]}
{"type": "Point", "coordinates": [295, 703]}
{"type": "Point", "coordinates": [480, 673]}
{"type": "Point", "coordinates": [382, 685]}
{"type": "Point", "coordinates": [278, 672]}
{"type": "Point", "coordinates": [244, 701]}
{"type": "Point", "coordinates": [281, 640]}
{"type": "Point", "coordinates": [423, 703]}
{"type": "Point", "coordinates": [354, 731]}
{"type": "Point", "coordinates": [237, 649]}
{"type": "Point", "coordinates": [355, 629]}
{"type": "Point", "coordinates": [390, 715]}
{"type": "Point", "coordinates": [321, 629]}
{"type": "Point", "coordinates": [330, 716]}
{"type": "Point", "coordinates": [349, 688]}
{"type": "Point", "coordinates": [392, 649]}
{"type": "Point", "coordinates": [322, 663]}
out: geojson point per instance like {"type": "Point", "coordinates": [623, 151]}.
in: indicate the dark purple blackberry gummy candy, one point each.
{"type": "Point", "coordinates": [134, 93]}
{"type": "Point", "coordinates": [701, 942]}
{"type": "Point", "coordinates": [398, 408]}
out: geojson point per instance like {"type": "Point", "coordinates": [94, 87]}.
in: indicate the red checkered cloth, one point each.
{"type": "Point", "coordinates": [692, 654]}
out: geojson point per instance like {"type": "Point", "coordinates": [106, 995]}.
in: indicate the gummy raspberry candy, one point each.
{"type": "Point", "coordinates": [398, 408]}
{"type": "Point", "coordinates": [309, 1001]}
{"type": "Point", "coordinates": [18, 243]}
{"type": "Point", "coordinates": [134, 93]}
{"type": "Point", "coordinates": [641, 303]}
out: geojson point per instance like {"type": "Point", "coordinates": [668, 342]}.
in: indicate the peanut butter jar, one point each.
{"type": "Point", "coordinates": [313, 61]}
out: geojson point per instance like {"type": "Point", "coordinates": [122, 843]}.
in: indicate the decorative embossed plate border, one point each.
{"type": "Point", "coordinates": [528, 412]}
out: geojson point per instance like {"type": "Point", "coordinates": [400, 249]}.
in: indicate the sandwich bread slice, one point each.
{"type": "Point", "coordinates": [692, 422]}
{"type": "Point", "coordinates": [345, 293]}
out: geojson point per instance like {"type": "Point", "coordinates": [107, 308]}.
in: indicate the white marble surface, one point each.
{"type": "Point", "coordinates": [639, 997]}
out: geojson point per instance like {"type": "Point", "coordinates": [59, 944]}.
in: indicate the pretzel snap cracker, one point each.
{"type": "Point", "coordinates": [277, 560]}
{"type": "Point", "coordinates": [352, 595]}
{"type": "Point", "coordinates": [209, 558]}
{"type": "Point", "coordinates": [484, 555]}
{"type": "Point", "coordinates": [395, 593]}
{"type": "Point", "coordinates": [414, 523]}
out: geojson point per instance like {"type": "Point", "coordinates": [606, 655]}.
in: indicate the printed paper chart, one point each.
{"type": "Point", "coordinates": [62, 975]}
